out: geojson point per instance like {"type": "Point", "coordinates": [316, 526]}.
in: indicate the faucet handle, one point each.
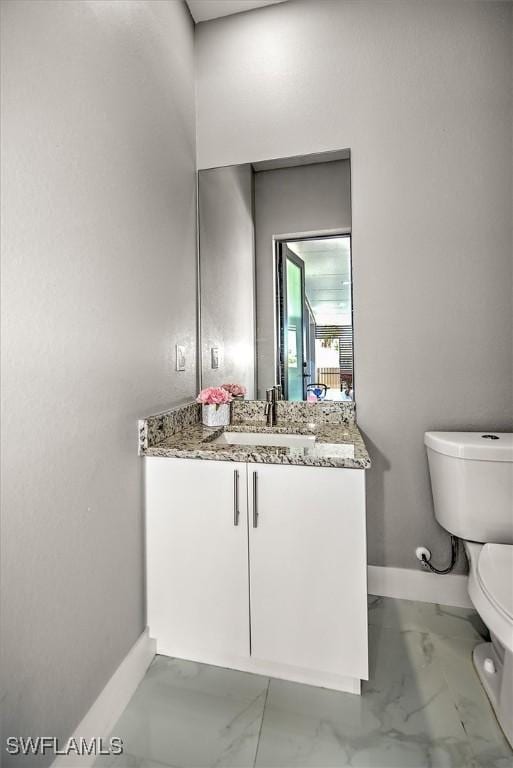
{"type": "Point", "coordinates": [269, 395]}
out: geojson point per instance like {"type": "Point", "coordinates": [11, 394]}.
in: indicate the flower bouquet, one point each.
{"type": "Point", "coordinates": [215, 406]}
{"type": "Point", "coordinates": [237, 391]}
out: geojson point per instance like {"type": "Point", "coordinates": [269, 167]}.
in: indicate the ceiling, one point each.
{"type": "Point", "coordinates": [204, 10]}
{"type": "Point", "coordinates": [327, 277]}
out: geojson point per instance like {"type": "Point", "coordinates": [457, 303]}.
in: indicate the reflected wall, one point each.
{"type": "Point", "coordinates": [246, 213]}
{"type": "Point", "coordinates": [227, 263]}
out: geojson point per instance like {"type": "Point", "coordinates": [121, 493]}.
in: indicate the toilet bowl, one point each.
{"type": "Point", "coordinates": [472, 482]}
{"type": "Point", "coordinates": [490, 588]}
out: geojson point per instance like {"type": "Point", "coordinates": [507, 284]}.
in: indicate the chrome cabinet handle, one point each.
{"type": "Point", "coordinates": [255, 501]}
{"type": "Point", "coordinates": [236, 510]}
{"type": "Point", "coordinates": [235, 496]}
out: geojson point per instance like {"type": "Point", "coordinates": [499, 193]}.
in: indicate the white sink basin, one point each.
{"type": "Point", "coordinates": [265, 438]}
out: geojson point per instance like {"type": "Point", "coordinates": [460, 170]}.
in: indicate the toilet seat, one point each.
{"type": "Point", "coordinates": [495, 575]}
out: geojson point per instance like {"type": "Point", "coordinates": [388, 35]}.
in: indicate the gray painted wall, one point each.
{"type": "Point", "coordinates": [422, 95]}
{"type": "Point", "coordinates": [227, 275]}
{"type": "Point", "coordinates": [98, 285]}
{"type": "Point", "coordinates": [292, 201]}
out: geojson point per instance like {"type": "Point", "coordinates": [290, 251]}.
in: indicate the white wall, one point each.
{"type": "Point", "coordinates": [421, 94]}
{"type": "Point", "coordinates": [98, 283]}
{"type": "Point", "coordinates": [227, 275]}
{"type": "Point", "coordinates": [292, 201]}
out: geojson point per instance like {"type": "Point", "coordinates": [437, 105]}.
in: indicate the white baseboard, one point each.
{"type": "Point", "coordinates": [408, 584]}
{"type": "Point", "coordinates": [108, 707]}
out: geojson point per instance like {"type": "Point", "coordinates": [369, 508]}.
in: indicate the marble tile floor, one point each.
{"type": "Point", "coordinates": [422, 706]}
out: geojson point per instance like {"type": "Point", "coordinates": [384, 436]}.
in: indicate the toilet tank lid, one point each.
{"type": "Point", "coordinates": [483, 446]}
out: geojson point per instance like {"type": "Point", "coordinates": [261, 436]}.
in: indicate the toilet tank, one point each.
{"type": "Point", "coordinates": [472, 482]}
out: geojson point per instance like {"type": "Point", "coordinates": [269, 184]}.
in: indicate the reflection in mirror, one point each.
{"type": "Point", "coordinates": [227, 287]}
{"type": "Point", "coordinates": [275, 277]}
{"type": "Point", "coordinates": [314, 314]}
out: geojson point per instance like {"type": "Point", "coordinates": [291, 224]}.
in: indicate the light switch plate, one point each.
{"type": "Point", "coordinates": [214, 357]}
{"type": "Point", "coordinates": [180, 358]}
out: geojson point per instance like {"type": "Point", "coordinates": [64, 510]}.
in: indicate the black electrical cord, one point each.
{"type": "Point", "coordinates": [454, 556]}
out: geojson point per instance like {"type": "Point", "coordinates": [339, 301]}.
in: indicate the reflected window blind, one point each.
{"type": "Point", "coordinates": [344, 333]}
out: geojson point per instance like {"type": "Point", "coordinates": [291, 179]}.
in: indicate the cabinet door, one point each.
{"type": "Point", "coordinates": [196, 558]}
{"type": "Point", "coordinates": [308, 576]}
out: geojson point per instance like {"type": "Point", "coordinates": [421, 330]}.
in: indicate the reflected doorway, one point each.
{"type": "Point", "coordinates": [314, 359]}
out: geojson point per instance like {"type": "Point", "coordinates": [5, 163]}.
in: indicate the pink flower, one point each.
{"type": "Point", "coordinates": [235, 389]}
{"type": "Point", "coordinates": [213, 396]}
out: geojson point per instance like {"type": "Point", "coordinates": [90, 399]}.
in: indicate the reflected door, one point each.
{"type": "Point", "coordinates": [292, 326]}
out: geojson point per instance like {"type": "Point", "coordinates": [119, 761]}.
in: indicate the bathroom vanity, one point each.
{"type": "Point", "coordinates": [256, 553]}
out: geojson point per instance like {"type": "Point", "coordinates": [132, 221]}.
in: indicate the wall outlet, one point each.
{"type": "Point", "coordinates": [180, 358]}
{"type": "Point", "coordinates": [214, 357]}
{"type": "Point", "coordinates": [423, 551]}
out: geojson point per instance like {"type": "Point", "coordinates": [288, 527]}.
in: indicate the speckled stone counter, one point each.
{"type": "Point", "coordinates": [327, 412]}
{"type": "Point", "coordinates": [178, 433]}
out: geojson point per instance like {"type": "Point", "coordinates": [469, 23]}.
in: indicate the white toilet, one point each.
{"type": "Point", "coordinates": [472, 482]}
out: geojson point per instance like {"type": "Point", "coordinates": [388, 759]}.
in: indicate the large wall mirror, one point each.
{"type": "Point", "coordinates": [275, 277]}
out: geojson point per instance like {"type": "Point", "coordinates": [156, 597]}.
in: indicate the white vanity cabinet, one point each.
{"type": "Point", "coordinates": [197, 558]}
{"type": "Point", "coordinates": [307, 559]}
{"type": "Point", "coordinates": [283, 592]}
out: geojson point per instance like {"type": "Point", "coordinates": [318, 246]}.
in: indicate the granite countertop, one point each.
{"type": "Point", "coordinates": [338, 442]}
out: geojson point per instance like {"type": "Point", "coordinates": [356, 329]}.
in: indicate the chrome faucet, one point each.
{"type": "Point", "coordinates": [271, 396]}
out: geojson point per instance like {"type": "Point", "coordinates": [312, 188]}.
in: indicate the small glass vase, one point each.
{"type": "Point", "coordinates": [215, 415]}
